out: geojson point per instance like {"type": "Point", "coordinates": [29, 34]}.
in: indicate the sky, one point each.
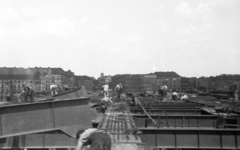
{"type": "Point", "coordinates": [194, 38]}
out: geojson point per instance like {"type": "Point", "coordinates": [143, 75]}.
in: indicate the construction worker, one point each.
{"type": "Point", "coordinates": [105, 90]}
{"type": "Point", "coordinates": [54, 89]}
{"type": "Point", "coordinates": [134, 100]}
{"type": "Point", "coordinates": [97, 139]}
{"type": "Point", "coordinates": [184, 97]}
{"type": "Point", "coordinates": [174, 95]}
{"type": "Point", "coordinates": [105, 102]}
{"type": "Point", "coordinates": [27, 93]}
{"type": "Point", "coordinates": [164, 89]}
{"type": "Point", "coordinates": [118, 89]}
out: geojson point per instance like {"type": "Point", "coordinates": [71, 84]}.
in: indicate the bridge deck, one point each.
{"type": "Point", "coordinates": [118, 123]}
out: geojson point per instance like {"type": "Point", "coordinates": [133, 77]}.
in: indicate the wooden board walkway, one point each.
{"type": "Point", "coordinates": [118, 123]}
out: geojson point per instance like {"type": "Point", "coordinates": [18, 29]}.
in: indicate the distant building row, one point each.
{"type": "Point", "coordinates": [40, 79]}
{"type": "Point", "coordinates": [153, 81]}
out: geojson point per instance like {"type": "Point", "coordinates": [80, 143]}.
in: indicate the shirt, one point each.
{"type": "Point", "coordinates": [87, 134]}
{"type": "Point", "coordinates": [164, 87]}
{"type": "Point", "coordinates": [106, 99]}
{"type": "Point", "coordinates": [174, 93]}
{"type": "Point", "coordinates": [53, 87]}
{"type": "Point", "coordinates": [105, 87]}
{"type": "Point", "coordinates": [117, 87]}
{"type": "Point", "coordinates": [184, 97]}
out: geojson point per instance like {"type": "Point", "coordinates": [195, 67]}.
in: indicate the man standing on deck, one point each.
{"type": "Point", "coordinates": [97, 139]}
{"type": "Point", "coordinates": [105, 90]}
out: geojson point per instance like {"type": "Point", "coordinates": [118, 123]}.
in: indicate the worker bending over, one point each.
{"type": "Point", "coordinates": [54, 89]}
{"type": "Point", "coordinates": [184, 97]}
{"type": "Point", "coordinates": [97, 139]}
{"type": "Point", "coordinates": [27, 93]}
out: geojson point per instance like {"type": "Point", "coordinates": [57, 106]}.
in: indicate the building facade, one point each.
{"type": "Point", "coordinates": [133, 83]}
{"type": "Point", "coordinates": [84, 81]}
{"type": "Point", "coordinates": [188, 84]}
{"type": "Point", "coordinates": [39, 79]}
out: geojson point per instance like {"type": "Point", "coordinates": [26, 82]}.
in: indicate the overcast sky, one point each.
{"type": "Point", "coordinates": [191, 37]}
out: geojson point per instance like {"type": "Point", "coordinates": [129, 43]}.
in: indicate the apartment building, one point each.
{"type": "Point", "coordinates": [149, 82]}
{"type": "Point", "coordinates": [38, 78]}
{"type": "Point", "coordinates": [16, 82]}
{"type": "Point", "coordinates": [133, 83]}
{"type": "Point", "coordinates": [223, 83]}
{"type": "Point", "coordinates": [84, 81]}
{"type": "Point", "coordinates": [188, 84]}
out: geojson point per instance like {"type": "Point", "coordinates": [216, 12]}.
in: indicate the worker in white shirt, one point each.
{"type": "Point", "coordinates": [105, 90]}
{"type": "Point", "coordinates": [184, 97]}
{"type": "Point", "coordinates": [54, 89]}
{"type": "Point", "coordinates": [97, 139]}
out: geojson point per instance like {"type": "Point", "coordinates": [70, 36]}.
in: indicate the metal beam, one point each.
{"type": "Point", "coordinates": [170, 111]}
{"type": "Point", "coordinates": [78, 93]}
{"type": "Point", "coordinates": [44, 116]}
{"type": "Point", "coordinates": [191, 138]}
{"type": "Point", "coordinates": [188, 121]}
{"type": "Point", "coordinates": [57, 139]}
{"type": "Point", "coordinates": [164, 104]}
{"type": "Point", "coordinates": [53, 139]}
{"type": "Point", "coordinates": [153, 107]}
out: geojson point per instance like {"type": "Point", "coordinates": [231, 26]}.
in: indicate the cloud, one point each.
{"type": "Point", "coordinates": [215, 3]}
{"type": "Point", "coordinates": [102, 27]}
{"type": "Point", "coordinates": [201, 11]}
{"type": "Point", "coordinates": [8, 13]}
{"type": "Point", "coordinates": [29, 13]}
{"type": "Point", "coordinates": [184, 8]}
{"type": "Point", "coordinates": [60, 27]}
{"type": "Point", "coordinates": [157, 10]}
{"type": "Point", "coordinates": [26, 23]}
{"type": "Point", "coordinates": [84, 19]}
{"type": "Point", "coordinates": [135, 38]}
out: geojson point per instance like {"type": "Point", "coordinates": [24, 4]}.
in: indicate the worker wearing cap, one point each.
{"type": "Point", "coordinates": [97, 139]}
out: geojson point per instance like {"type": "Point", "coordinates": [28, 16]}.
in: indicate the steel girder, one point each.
{"type": "Point", "coordinates": [52, 139]}
{"type": "Point", "coordinates": [154, 138]}
{"type": "Point", "coordinates": [188, 121]}
{"type": "Point", "coordinates": [170, 111]}
{"type": "Point", "coordinates": [44, 116]}
{"type": "Point", "coordinates": [191, 138]}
